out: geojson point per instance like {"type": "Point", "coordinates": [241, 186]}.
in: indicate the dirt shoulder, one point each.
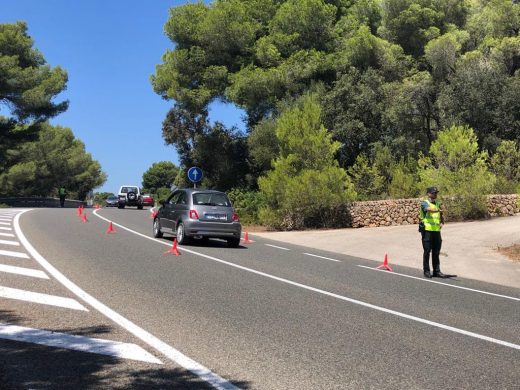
{"type": "Point", "coordinates": [469, 248]}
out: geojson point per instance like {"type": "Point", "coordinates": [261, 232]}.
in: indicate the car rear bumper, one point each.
{"type": "Point", "coordinates": [213, 229]}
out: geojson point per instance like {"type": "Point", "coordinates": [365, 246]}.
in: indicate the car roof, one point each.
{"type": "Point", "coordinates": [196, 190]}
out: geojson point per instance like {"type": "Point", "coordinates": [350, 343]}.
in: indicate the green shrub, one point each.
{"type": "Point", "coordinates": [161, 195]}
{"type": "Point", "coordinates": [247, 205]}
{"type": "Point", "coordinates": [505, 164]}
{"type": "Point", "coordinates": [305, 178]}
{"type": "Point", "coordinates": [459, 169]}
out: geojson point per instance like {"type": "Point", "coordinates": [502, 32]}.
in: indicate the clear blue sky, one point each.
{"type": "Point", "coordinates": [109, 49]}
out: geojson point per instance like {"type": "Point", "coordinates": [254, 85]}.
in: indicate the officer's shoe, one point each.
{"type": "Point", "coordinates": [439, 274]}
{"type": "Point", "coordinates": [427, 274]}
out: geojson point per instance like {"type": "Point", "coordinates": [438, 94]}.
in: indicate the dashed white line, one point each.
{"type": "Point", "coordinates": [327, 293]}
{"type": "Point", "coordinates": [322, 257]}
{"type": "Point", "coordinates": [435, 282]}
{"type": "Point", "coordinates": [7, 242]}
{"type": "Point", "coordinates": [167, 350]}
{"type": "Point", "coordinates": [77, 343]}
{"type": "Point", "coordinates": [14, 254]}
{"type": "Point", "coordinates": [277, 247]}
{"type": "Point", "coordinates": [23, 271]}
{"type": "Point", "coordinates": [44, 299]}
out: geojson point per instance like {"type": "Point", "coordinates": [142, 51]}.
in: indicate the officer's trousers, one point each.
{"type": "Point", "coordinates": [431, 242]}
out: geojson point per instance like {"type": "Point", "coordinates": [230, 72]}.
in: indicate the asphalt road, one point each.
{"type": "Point", "coordinates": [263, 316]}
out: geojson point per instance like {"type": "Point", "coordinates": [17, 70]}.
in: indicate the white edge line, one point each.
{"type": "Point", "coordinates": [277, 247]}
{"type": "Point", "coordinates": [76, 343]}
{"type": "Point", "coordinates": [167, 350]}
{"type": "Point", "coordinates": [444, 284]}
{"type": "Point", "coordinates": [322, 257]}
{"type": "Point", "coordinates": [35, 273]}
{"type": "Point", "coordinates": [343, 298]}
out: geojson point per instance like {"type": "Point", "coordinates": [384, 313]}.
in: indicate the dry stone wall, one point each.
{"type": "Point", "coordinates": [406, 211]}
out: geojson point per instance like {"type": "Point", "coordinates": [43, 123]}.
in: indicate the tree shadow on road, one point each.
{"type": "Point", "coordinates": [27, 365]}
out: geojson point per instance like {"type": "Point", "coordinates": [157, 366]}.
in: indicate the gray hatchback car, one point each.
{"type": "Point", "coordinates": [197, 213]}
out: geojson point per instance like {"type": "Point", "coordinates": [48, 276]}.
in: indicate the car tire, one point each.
{"type": "Point", "coordinates": [120, 206]}
{"type": "Point", "coordinates": [233, 242]}
{"type": "Point", "coordinates": [157, 233]}
{"type": "Point", "coordinates": [181, 234]}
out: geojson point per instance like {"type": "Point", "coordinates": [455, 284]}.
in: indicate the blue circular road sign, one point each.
{"type": "Point", "coordinates": [195, 174]}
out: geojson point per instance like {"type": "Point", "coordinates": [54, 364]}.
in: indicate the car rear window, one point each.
{"type": "Point", "coordinates": [125, 190]}
{"type": "Point", "coordinates": [211, 199]}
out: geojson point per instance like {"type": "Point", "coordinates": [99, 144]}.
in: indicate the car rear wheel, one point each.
{"type": "Point", "coordinates": [233, 242]}
{"type": "Point", "coordinates": [157, 228]}
{"type": "Point", "coordinates": [181, 234]}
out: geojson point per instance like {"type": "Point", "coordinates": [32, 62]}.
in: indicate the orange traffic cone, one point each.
{"type": "Point", "coordinates": [84, 218]}
{"type": "Point", "coordinates": [246, 239]}
{"type": "Point", "coordinates": [173, 249]}
{"type": "Point", "coordinates": [385, 264]}
{"type": "Point", "coordinates": [110, 229]}
{"type": "Point", "coordinates": [80, 211]}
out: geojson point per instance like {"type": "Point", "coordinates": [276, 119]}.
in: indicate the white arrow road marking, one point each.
{"type": "Point", "coordinates": [76, 343]}
{"type": "Point", "coordinates": [45, 299]}
{"type": "Point", "coordinates": [14, 254]}
{"type": "Point", "coordinates": [23, 271]}
{"type": "Point", "coordinates": [6, 242]}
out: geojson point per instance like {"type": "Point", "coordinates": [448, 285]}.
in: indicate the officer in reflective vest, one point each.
{"type": "Point", "coordinates": [430, 224]}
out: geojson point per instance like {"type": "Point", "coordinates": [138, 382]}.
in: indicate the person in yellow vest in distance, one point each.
{"type": "Point", "coordinates": [62, 192]}
{"type": "Point", "coordinates": [430, 225]}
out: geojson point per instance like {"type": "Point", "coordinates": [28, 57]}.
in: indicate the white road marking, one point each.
{"type": "Point", "coordinates": [44, 299]}
{"type": "Point", "coordinates": [13, 254]}
{"type": "Point", "coordinates": [76, 343]}
{"type": "Point", "coordinates": [167, 350]}
{"type": "Point", "coordinates": [277, 247]}
{"type": "Point", "coordinates": [5, 228]}
{"type": "Point", "coordinates": [23, 271]}
{"type": "Point", "coordinates": [322, 257]}
{"type": "Point", "coordinates": [444, 284]}
{"type": "Point", "coordinates": [5, 223]}
{"type": "Point", "coordinates": [7, 234]}
{"type": "Point", "coordinates": [327, 293]}
{"type": "Point", "coordinates": [6, 219]}
{"type": "Point", "coordinates": [6, 242]}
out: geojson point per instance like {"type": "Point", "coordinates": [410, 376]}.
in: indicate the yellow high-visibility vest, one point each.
{"type": "Point", "coordinates": [431, 221]}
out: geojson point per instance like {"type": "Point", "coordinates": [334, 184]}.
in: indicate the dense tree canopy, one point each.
{"type": "Point", "coordinates": [385, 72]}
{"type": "Point", "coordinates": [161, 174]}
{"type": "Point", "coordinates": [55, 159]}
{"type": "Point", "coordinates": [28, 86]}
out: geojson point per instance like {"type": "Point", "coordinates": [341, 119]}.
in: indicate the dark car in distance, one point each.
{"type": "Point", "coordinates": [198, 213]}
{"type": "Point", "coordinates": [111, 201]}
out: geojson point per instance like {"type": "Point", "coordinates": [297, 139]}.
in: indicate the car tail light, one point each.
{"type": "Point", "coordinates": [234, 217]}
{"type": "Point", "coordinates": [193, 214]}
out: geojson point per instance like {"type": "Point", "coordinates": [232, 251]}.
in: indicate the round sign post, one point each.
{"type": "Point", "coordinates": [195, 175]}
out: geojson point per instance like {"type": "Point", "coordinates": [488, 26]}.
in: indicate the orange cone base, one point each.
{"type": "Point", "coordinates": [246, 239]}
{"type": "Point", "coordinates": [173, 250]}
{"type": "Point", "coordinates": [84, 218]}
{"type": "Point", "coordinates": [385, 265]}
{"type": "Point", "coordinates": [110, 229]}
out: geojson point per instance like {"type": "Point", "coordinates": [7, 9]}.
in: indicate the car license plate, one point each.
{"type": "Point", "coordinates": [216, 217]}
